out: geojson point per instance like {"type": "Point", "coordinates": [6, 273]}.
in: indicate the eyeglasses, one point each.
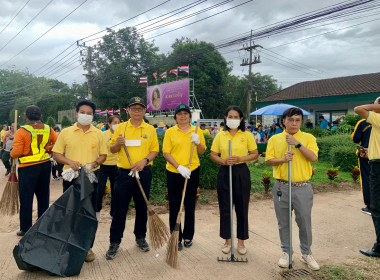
{"type": "Point", "coordinates": [291, 120]}
{"type": "Point", "coordinates": [137, 109]}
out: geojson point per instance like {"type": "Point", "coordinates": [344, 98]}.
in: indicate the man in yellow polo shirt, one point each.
{"type": "Point", "coordinates": [204, 129]}
{"type": "Point", "coordinates": [304, 151]}
{"type": "Point", "coordinates": [141, 141]}
{"type": "Point", "coordinates": [81, 145]}
{"type": "Point", "coordinates": [371, 112]}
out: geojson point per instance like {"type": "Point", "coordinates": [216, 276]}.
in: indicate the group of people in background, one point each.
{"type": "Point", "coordinates": [126, 151]}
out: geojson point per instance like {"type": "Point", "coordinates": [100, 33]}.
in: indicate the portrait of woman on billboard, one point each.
{"type": "Point", "coordinates": [156, 98]}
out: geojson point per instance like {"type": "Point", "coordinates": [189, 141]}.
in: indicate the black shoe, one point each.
{"type": "Point", "coordinates": [20, 233]}
{"type": "Point", "coordinates": [141, 243]}
{"type": "Point", "coordinates": [188, 243]}
{"type": "Point", "coordinates": [111, 253]}
{"type": "Point", "coordinates": [366, 210]}
{"type": "Point", "coordinates": [370, 253]}
{"type": "Point", "coordinates": [179, 246]}
{"type": "Point", "coordinates": [7, 173]}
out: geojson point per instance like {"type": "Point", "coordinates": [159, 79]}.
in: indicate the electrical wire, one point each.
{"type": "Point", "coordinates": [15, 16]}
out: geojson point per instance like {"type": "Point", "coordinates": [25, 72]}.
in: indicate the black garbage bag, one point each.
{"type": "Point", "coordinates": [60, 239]}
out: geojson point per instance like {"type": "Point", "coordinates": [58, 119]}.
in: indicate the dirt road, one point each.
{"type": "Point", "coordinates": [339, 231]}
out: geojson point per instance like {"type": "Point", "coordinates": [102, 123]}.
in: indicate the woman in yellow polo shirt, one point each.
{"type": "Point", "coordinates": [244, 149]}
{"type": "Point", "coordinates": [108, 169]}
{"type": "Point", "coordinates": [176, 150]}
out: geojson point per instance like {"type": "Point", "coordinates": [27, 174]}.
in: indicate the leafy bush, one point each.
{"type": "Point", "coordinates": [65, 122]}
{"type": "Point", "coordinates": [344, 156]}
{"type": "Point", "coordinates": [352, 119]}
{"type": "Point", "coordinates": [317, 132]}
{"type": "Point", "coordinates": [50, 122]}
{"type": "Point", "coordinates": [208, 169]}
{"type": "Point", "coordinates": [325, 145]}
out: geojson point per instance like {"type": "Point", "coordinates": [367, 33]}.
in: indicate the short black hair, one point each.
{"type": "Point", "coordinates": [222, 124]}
{"type": "Point", "coordinates": [321, 117]}
{"type": "Point", "coordinates": [203, 124]}
{"type": "Point", "coordinates": [291, 112]}
{"type": "Point", "coordinates": [241, 115]}
{"type": "Point", "coordinates": [86, 102]}
{"type": "Point", "coordinates": [255, 129]}
{"type": "Point", "coordinates": [33, 113]}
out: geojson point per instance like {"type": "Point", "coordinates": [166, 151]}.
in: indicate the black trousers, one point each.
{"type": "Point", "coordinates": [241, 187]}
{"type": "Point", "coordinates": [364, 180]}
{"type": "Point", "coordinates": [374, 183]}
{"type": "Point", "coordinates": [67, 184]}
{"type": "Point", "coordinates": [56, 168]}
{"type": "Point", "coordinates": [5, 158]}
{"type": "Point", "coordinates": [105, 171]}
{"type": "Point", "coordinates": [125, 188]}
{"type": "Point", "coordinates": [175, 184]}
{"type": "Point", "coordinates": [33, 179]}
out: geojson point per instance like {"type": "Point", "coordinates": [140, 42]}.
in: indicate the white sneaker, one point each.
{"type": "Point", "coordinates": [309, 260]}
{"type": "Point", "coordinates": [226, 248]}
{"type": "Point", "coordinates": [284, 260]}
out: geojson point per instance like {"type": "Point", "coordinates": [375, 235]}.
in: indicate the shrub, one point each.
{"type": "Point", "coordinates": [344, 156]}
{"type": "Point", "coordinates": [209, 169]}
{"type": "Point", "coordinates": [352, 119]}
{"type": "Point", "coordinates": [325, 144]}
{"type": "Point", "coordinates": [65, 122]}
{"type": "Point", "coordinates": [317, 132]}
{"type": "Point", "coordinates": [50, 122]}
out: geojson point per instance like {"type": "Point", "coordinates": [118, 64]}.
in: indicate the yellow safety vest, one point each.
{"type": "Point", "coordinates": [38, 152]}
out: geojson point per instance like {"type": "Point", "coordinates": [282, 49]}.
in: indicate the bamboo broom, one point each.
{"type": "Point", "coordinates": [172, 247]}
{"type": "Point", "coordinates": [158, 231]}
{"type": "Point", "coordinates": [9, 203]}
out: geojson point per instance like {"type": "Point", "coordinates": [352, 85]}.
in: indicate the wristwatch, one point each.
{"type": "Point", "coordinates": [298, 145]}
{"type": "Point", "coordinates": [96, 164]}
{"type": "Point", "coordinates": [147, 160]}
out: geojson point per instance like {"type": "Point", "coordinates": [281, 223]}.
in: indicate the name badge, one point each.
{"type": "Point", "coordinates": [133, 143]}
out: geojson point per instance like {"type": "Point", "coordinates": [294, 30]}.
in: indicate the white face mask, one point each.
{"type": "Point", "coordinates": [85, 119]}
{"type": "Point", "coordinates": [233, 123]}
{"type": "Point", "coordinates": [114, 126]}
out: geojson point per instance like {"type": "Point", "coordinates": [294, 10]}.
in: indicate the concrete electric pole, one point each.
{"type": "Point", "coordinates": [245, 62]}
{"type": "Point", "coordinates": [88, 60]}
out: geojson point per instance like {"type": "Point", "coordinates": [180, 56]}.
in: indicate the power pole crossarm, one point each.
{"type": "Point", "coordinates": [256, 60]}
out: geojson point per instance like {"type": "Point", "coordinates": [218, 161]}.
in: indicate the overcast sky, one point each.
{"type": "Point", "coordinates": [350, 51]}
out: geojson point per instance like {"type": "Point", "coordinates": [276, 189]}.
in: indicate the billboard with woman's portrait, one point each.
{"type": "Point", "coordinates": [168, 95]}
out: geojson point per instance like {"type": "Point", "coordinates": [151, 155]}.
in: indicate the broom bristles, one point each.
{"type": "Point", "coordinates": [158, 231]}
{"type": "Point", "coordinates": [9, 203]}
{"type": "Point", "coordinates": [172, 248]}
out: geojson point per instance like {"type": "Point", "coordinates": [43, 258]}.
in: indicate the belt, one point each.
{"type": "Point", "coordinates": [128, 170]}
{"type": "Point", "coordinates": [294, 184]}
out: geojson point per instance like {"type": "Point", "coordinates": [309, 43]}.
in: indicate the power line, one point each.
{"type": "Point", "coordinates": [45, 32]}
{"type": "Point", "coordinates": [26, 25]}
{"type": "Point", "coordinates": [15, 16]}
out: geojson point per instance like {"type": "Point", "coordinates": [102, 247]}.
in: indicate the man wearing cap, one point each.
{"type": "Point", "coordinates": [81, 145]}
{"type": "Point", "coordinates": [176, 149]}
{"type": "Point", "coordinates": [161, 128]}
{"type": "Point", "coordinates": [141, 142]}
{"type": "Point", "coordinates": [204, 129]}
{"type": "Point", "coordinates": [31, 145]}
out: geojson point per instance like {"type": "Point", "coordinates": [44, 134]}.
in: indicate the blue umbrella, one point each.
{"type": "Point", "coordinates": [276, 110]}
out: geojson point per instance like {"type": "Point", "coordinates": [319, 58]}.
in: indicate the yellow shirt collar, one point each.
{"type": "Point", "coordinates": [92, 128]}
{"type": "Point", "coordinates": [143, 124]}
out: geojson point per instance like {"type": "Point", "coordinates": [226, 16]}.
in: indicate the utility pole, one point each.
{"type": "Point", "coordinates": [88, 60]}
{"type": "Point", "coordinates": [245, 62]}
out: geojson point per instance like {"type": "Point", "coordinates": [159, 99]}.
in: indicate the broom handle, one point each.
{"type": "Point", "coordinates": [15, 129]}
{"type": "Point", "coordinates": [290, 209]}
{"type": "Point", "coordinates": [137, 179]}
{"type": "Point", "coordinates": [185, 185]}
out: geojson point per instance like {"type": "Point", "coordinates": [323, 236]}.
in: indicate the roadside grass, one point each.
{"type": "Point", "coordinates": [257, 168]}
{"type": "Point", "coordinates": [356, 269]}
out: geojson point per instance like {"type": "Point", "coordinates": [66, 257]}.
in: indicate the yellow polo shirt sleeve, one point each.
{"type": "Point", "coordinates": [178, 144]}
{"type": "Point", "coordinates": [374, 140]}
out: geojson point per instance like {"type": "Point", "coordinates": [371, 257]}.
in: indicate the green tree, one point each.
{"type": "Point", "coordinates": [65, 122]}
{"type": "Point", "coordinates": [50, 122]}
{"type": "Point", "coordinates": [124, 56]}
{"type": "Point", "coordinates": [209, 70]}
